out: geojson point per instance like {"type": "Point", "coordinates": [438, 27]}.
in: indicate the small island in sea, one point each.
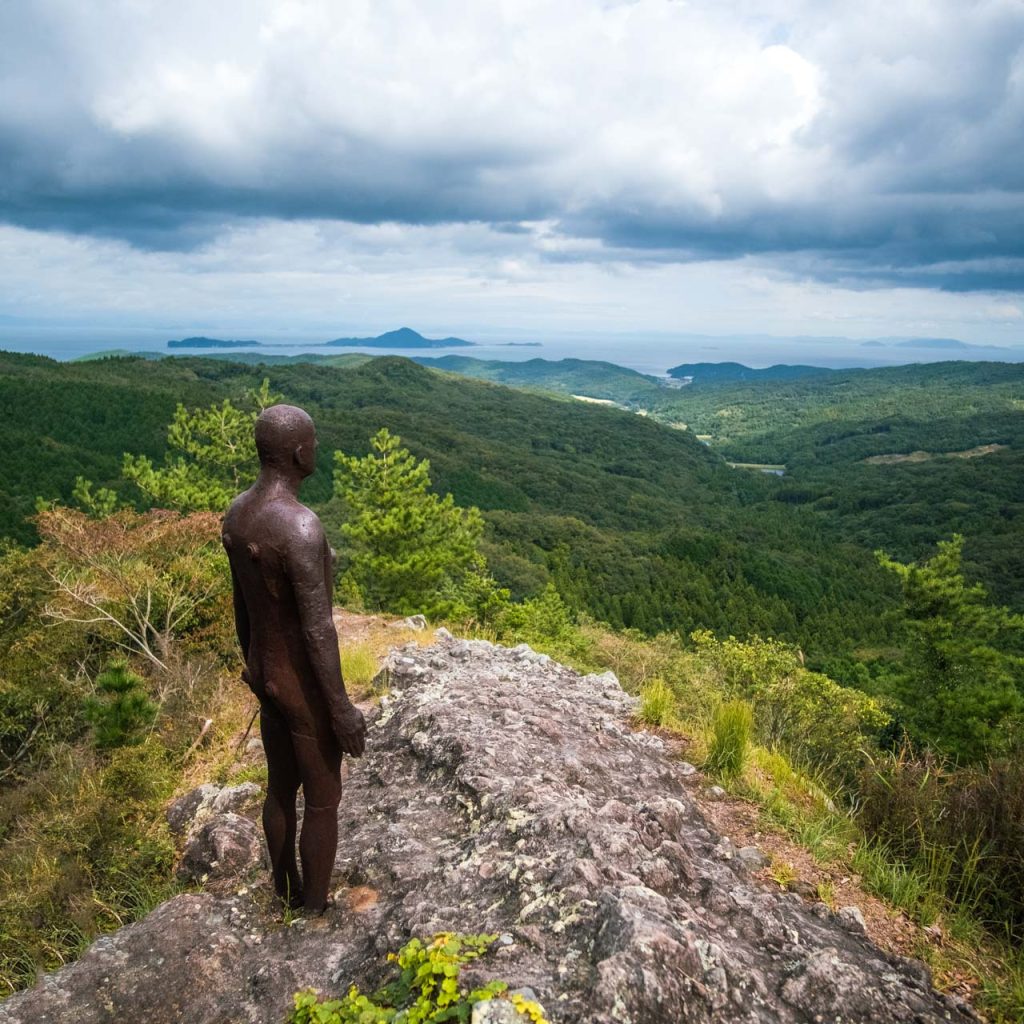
{"type": "Point", "coordinates": [520, 344]}
{"type": "Point", "coordinates": [201, 342]}
{"type": "Point", "coordinates": [404, 337]}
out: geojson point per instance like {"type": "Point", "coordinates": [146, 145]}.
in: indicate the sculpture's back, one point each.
{"type": "Point", "coordinates": [281, 575]}
{"type": "Point", "coordinates": [257, 535]}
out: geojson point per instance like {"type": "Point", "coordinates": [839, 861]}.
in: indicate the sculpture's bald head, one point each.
{"type": "Point", "coordinates": [285, 438]}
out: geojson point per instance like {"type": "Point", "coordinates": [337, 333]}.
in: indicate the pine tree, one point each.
{"type": "Point", "coordinates": [963, 681]}
{"type": "Point", "coordinates": [211, 456]}
{"type": "Point", "coordinates": [410, 549]}
{"type": "Point", "coordinates": [99, 503]}
{"type": "Point", "coordinates": [121, 712]}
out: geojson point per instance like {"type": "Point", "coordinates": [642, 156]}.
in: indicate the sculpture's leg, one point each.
{"type": "Point", "coordinates": [279, 818]}
{"type": "Point", "coordinates": [320, 765]}
{"type": "Point", "coordinates": [317, 847]}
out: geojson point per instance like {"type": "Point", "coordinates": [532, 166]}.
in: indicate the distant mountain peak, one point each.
{"type": "Point", "coordinates": [402, 334]}
{"type": "Point", "coordinates": [403, 337]}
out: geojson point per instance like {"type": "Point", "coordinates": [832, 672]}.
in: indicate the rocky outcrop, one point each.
{"type": "Point", "coordinates": [504, 793]}
{"type": "Point", "coordinates": [191, 810]}
{"type": "Point", "coordinates": [225, 846]}
{"type": "Point", "coordinates": [413, 622]}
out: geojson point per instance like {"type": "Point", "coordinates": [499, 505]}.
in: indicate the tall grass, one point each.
{"type": "Point", "coordinates": [85, 852]}
{"type": "Point", "coordinates": [657, 703]}
{"type": "Point", "coordinates": [963, 829]}
{"type": "Point", "coordinates": [897, 883]}
{"type": "Point", "coordinates": [1004, 993]}
{"type": "Point", "coordinates": [731, 727]}
{"type": "Point", "coordinates": [358, 667]}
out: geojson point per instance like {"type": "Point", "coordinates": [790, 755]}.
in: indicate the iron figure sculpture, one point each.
{"type": "Point", "coordinates": [281, 574]}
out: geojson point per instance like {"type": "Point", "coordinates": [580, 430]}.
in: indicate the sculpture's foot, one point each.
{"type": "Point", "coordinates": [319, 911]}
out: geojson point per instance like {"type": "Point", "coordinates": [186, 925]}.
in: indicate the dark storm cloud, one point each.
{"type": "Point", "coordinates": [935, 241]}
{"type": "Point", "coordinates": [878, 145]}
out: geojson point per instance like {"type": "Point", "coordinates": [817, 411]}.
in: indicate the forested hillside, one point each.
{"type": "Point", "coordinates": [842, 436]}
{"type": "Point", "coordinates": [587, 377]}
{"type": "Point", "coordinates": [638, 524]}
{"type": "Point", "coordinates": [850, 414]}
{"type": "Point", "coordinates": [899, 457]}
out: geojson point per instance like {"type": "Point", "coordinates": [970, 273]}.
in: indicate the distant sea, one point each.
{"type": "Point", "coordinates": [648, 354]}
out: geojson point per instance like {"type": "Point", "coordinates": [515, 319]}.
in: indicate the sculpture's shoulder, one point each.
{"type": "Point", "coordinates": [233, 525]}
{"type": "Point", "coordinates": [305, 528]}
{"type": "Point", "coordinates": [280, 523]}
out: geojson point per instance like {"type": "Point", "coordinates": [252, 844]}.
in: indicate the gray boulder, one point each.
{"type": "Point", "coordinates": [193, 806]}
{"type": "Point", "coordinates": [752, 858]}
{"type": "Point", "coordinates": [236, 798]}
{"type": "Point", "coordinates": [802, 888]}
{"type": "Point", "coordinates": [853, 919]}
{"type": "Point", "coordinates": [226, 846]}
{"type": "Point", "coordinates": [416, 622]}
{"type": "Point", "coordinates": [497, 1011]}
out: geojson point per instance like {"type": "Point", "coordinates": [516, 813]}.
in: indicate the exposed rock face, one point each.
{"type": "Point", "coordinates": [504, 793]}
{"type": "Point", "coordinates": [235, 798]}
{"type": "Point", "coordinates": [226, 846]}
{"type": "Point", "coordinates": [416, 622]}
{"type": "Point", "coordinates": [192, 807]}
{"type": "Point", "coordinates": [752, 858]}
{"type": "Point", "coordinates": [189, 811]}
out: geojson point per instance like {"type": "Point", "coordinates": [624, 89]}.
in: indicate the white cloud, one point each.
{"type": "Point", "coordinates": [521, 145]}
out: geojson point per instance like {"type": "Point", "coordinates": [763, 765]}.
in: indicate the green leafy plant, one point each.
{"type": "Point", "coordinates": [656, 703]}
{"type": "Point", "coordinates": [826, 892]}
{"type": "Point", "coordinates": [823, 726]}
{"type": "Point", "coordinates": [546, 624]}
{"type": "Point", "coordinates": [121, 711]}
{"type": "Point", "coordinates": [783, 873]}
{"type": "Point", "coordinates": [426, 991]}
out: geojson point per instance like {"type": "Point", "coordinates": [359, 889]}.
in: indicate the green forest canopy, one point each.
{"type": "Point", "coordinates": [636, 523]}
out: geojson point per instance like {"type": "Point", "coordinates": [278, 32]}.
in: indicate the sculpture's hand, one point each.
{"type": "Point", "coordinates": [350, 728]}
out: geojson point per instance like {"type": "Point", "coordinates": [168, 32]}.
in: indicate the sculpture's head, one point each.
{"type": "Point", "coordinates": [286, 439]}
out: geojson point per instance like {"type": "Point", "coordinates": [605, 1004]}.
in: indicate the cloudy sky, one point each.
{"type": "Point", "coordinates": [516, 168]}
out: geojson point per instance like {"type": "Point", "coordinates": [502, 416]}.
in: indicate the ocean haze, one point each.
{"type": "Point", "coordinates": [648, 353]}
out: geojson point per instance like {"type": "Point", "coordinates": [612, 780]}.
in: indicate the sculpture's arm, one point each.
{"type": "Point", "coordinates": [242, 626]}
{"type": "Point", "coordinates": [308, 565]}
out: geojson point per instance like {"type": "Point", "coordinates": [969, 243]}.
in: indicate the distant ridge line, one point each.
{"type": "Point", "coordinates": [720, 372]}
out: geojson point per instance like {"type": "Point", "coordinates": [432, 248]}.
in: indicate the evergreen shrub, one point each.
{"type": "Point", "coordinates": [120, 712]}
